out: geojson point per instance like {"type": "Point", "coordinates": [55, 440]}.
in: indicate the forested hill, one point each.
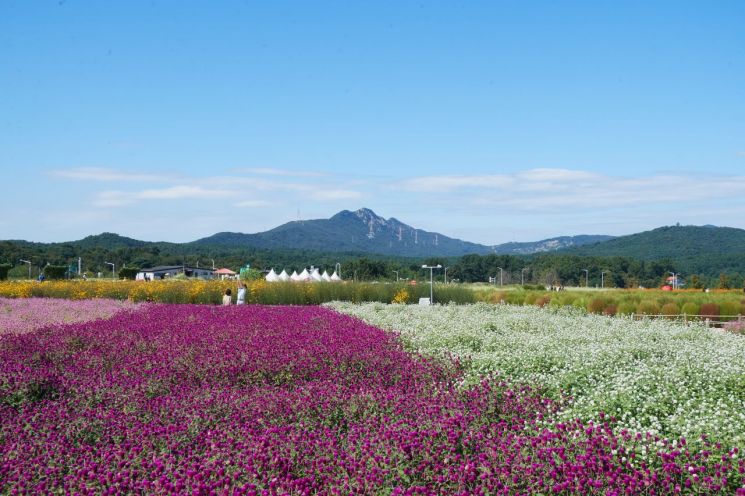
{"type": "Point", "coordinates": [670, 242]}
{"type": "Point", "coordinates": [360, 231]}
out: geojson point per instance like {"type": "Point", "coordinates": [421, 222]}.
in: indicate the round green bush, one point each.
{"type": "Point", "coordinates": [626, 308]}
{"type": "Point", "coordinates": [670, 309]}
{"type": "Point", "coordinates": [648, 307]}
{"type": "Point", "coordinates": [690, 308]}
{"type": "Point", "coordinates": [732, 308]}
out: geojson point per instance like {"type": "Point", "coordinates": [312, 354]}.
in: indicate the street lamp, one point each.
{"type": "Point", "coordinates": [602, 278]}
{"type": "Point", "coordinates": [431, 269]}
{"type": "Point", "coordinates": [675, 279]}
{"type": "Point", "coordinates": [396, 275]}
{"type": "Point", "coordinates": [446, 274]}
{"type": "Point", "coordinates": [522, 275]}
{"type": "Point", "coordinates": [500, 275]}
{"type": "Point", "coordinates": [337, 268]}
{"type": "Point", "coordinates": [112, 268]}
{"type": "Point", "coordinates": [29, 266]}
{"type": "Point", "coordinates": [587, 277]}
{"type": "Point", "coordinates": [354, 275]}
{"type": "Point", "coordinates": [213, 263]}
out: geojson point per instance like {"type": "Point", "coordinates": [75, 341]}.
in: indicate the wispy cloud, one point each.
{"type": "Point", "coordinates": [253, 204]}
{"type": "Point", "coordinates": [335, 194]}
{"type": "Point", "coordinates": [537, 189]}
{"type": "Point", "coordinates": [105, 174]}
{"type": "Point", "coordinates": [269, 171]}
{"type": "Point", "coordinates": [123, 198]}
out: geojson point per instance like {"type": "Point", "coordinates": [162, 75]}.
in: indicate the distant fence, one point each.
{"type": "Point", "coordinates": [709, 320]}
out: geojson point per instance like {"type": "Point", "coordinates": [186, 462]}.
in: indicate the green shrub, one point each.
{"type": "Point", "coordinates": [128, 272]}
{"type": "Point", "coordinates": [626, 308]}
{"type": "Point", "coordinates": [55, 271]}
{"type": "Point", "coordinates": [648, 307]}
{"type": "Point", "coordinates": [690, 308]}
{"type": "Point", "coordinates": [530, 298]}
{"type": "Point", "coordinates": [670, 309]}
{"type": "Point", "coordinates": [4, 268]}
{"type": "Point", "coordinates": [732, 308]}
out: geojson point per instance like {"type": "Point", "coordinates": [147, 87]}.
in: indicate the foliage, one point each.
{"type": "Point", "coordinates": [55, 271]}
{"type": "Point", "coordinates": [210, 292]}
{"type": "Point", "coordinates": [128, 272]}
{"type": "Point", "coordinates": [4, 268]}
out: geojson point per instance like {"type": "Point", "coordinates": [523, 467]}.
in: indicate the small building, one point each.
{"type": "Point", "coordinates": [225, 273]}
{"type": "Point", "coordinates": [168, 271]}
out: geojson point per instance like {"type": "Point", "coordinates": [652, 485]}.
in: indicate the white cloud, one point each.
{"type": "Point", "coordinates": [123, 198]}
{"type": "Point", "coordinates": [335, 194]}
{"type": "Point", "coordinates": [253, 204]}
{"type": "Point", "coordinates": [538, 189]}
{"type": "Point", "coordinates": [105, 174]}
{"type": "Point", "coordinates": [450, 183]}
{"type": "Point", "coordinates": [269, 171]}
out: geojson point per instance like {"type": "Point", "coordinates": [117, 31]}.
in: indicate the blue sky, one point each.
{"type": "Point", "coordinates": [487, 121]}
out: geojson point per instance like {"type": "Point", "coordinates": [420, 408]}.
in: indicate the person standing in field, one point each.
{"type": "Point", "coordinates": [241, 296]}
{"type": "Point", "coordinates": [227, 298]}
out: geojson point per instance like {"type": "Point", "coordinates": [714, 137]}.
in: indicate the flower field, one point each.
{"type": "Point", "coordinates": [302, 400]}
{"type": "Point", "coordinates": [654, 376]}
{"type": "Point", "coordinates": [25, 315]}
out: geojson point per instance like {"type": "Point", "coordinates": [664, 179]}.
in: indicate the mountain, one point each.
{"type": "Point", "coordinates": [673, 242]}
{"type": "Point", "coordinates": [360, 231]}
{"type": "Point", "coordinates": [366, 232]}
{"type": "Point", "coordinates": [548, 245]}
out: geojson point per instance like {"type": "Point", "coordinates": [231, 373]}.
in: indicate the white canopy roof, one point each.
{"type": "Point", "coordinates": [326, 276]}
{"type": "Point", "coordinates": [272, 276]}
{"type": "Point", "coordinates": [283, 276]}
{"type": "Point", "coordinates": [304, 276]}
{"type": "Point", "coordinates": [315, 276]}
{"type": "Point", "coordinates": [294, 276]}
{"type": "Point", "coordinates": [335, 277]}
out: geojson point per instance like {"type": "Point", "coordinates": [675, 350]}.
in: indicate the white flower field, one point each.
{"type": "Point", "coordinates": [655, 376]}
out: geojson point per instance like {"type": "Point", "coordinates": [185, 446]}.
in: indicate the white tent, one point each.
{"type": "Point", "coordinates": [304, 276]}
{"type": "Point", "coordinates": [315, 276]}
{"type": "Point", "coordinates": [335, 277]}
{"type": "Point", "coordinates": [283, 276]}
{"type": "Point", "coordinates": [325, 277]}
{"type": "Point", "coordinates": [294, 276]}
{"type": "Point", "coordinates": [272, 276]}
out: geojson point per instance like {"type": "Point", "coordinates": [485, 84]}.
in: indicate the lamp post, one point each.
{"type": "Point", "coordinates": [522, 275]}
{"type": "Point", "coordinates": [337, 267]}
{"type": "Point", "coordinates": [675, 279]}
{"type": "Point", "coordinates": [29, 266]}
{"type": "Point", "coordinates": [396, 275]}
{"type": "Point", "coordinates": [213, 263]}
{"type": "Point", "coordinates": [501, 280]}
{"type": "Point", "coordinates": [112, 268]}
{"type": "Point", "coordinates": [354, 276]}
{"type": "Point", "coordinates": [431, 269]}
{"type": "Point", "coordinates": [602, 279]}
{"type": "Point", "coordinates": [587, 277]}
{"type": "Point", "coordinates": [446, 274]}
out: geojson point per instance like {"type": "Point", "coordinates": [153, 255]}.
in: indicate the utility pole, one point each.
{"type": "Point", "coordinates": [431, 270]}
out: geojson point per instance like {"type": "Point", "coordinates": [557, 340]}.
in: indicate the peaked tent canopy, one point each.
{"type": "Point", "coordinates": [283, 276]}
{"type": "Point", "coordinates": [272, 276]}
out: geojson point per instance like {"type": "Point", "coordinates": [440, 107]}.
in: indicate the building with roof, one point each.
{"type": "Point", "coordinates": [168, 271]}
